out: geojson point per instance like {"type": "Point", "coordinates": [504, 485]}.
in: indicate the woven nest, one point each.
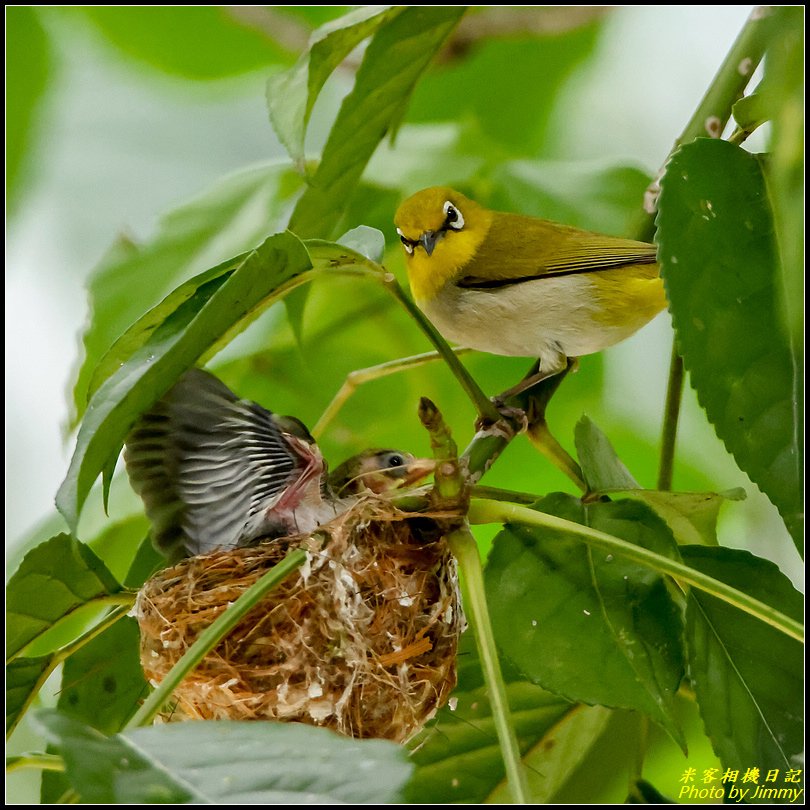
{"type": "Point", "coordinates": [362, 639]}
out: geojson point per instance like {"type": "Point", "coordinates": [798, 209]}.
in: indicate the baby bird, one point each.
{"type": "Point", "coordinates": [215, 471]}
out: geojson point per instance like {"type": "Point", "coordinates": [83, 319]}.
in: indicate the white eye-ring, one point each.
{"type": "Point", "coordinates": [406, 243]}
{"type": "Point", "coordinates": [453, 217]}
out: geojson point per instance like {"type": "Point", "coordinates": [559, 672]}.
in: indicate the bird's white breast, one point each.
{"type": "Point", "coordinates": [549, 318]}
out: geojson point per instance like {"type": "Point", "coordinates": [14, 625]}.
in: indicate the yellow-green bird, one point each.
{"type": "Point", "coordinates": [215, 471]}
{"type": "Point", "coordinates": [523, 286]}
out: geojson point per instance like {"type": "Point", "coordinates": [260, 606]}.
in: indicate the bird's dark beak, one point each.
{"type": "Point", "coordinates": [428, 240]}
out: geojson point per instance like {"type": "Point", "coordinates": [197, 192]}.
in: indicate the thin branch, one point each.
{"type": "Point", "coordinates": [669, 429]}
{"type": "Point", "coordinates": [483, 404]}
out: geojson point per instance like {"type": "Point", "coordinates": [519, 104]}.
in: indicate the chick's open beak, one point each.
{"type": "Point", "coordinates": [428, 240]}
{"type": "Point", "coordinates": [418, 470]}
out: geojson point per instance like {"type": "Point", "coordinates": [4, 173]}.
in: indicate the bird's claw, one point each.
{"type": "Point", "coordinates": [514, 420]}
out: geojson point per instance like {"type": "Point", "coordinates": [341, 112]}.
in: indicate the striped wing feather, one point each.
{"type": "Point", "coordinates": [204, 463]}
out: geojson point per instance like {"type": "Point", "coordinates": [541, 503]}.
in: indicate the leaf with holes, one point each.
{"type": "Point", "coordinates": [721, 269]}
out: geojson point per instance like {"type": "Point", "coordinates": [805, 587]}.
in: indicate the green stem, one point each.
{"type": "Point", "coordinates": [65, 652]}
{"type": "Point", "coordinates": [641, 752]}
{"type": "Point", "coordinates": [463, 546]}
{"type": "Point", "coordinates": [498, 494]}
{"type": "Point", "coordinates": [482, 511]}
{"type": "Point", "coordinates": [670, 426]}
{"type": "Point", "coordinates": [211, 636]}
{"type": "Point", "coordinates": [714, 110]}
{"type": "Point", "coordinates": [731, 79]}
{"type": "Point", "coordinates": [540, 436]}
{"type": "Point", "coordinates": [449, 480]}
{"type": "Point", "coordinates": [42, 762]}
{"type": "Point", "coordinates": [483, 405]}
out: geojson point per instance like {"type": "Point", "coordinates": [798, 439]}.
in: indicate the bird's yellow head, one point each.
{"type": "Point", "coordinates": [441, 230]}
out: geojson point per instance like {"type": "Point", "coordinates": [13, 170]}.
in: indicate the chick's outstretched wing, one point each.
{"type": "Point", "coordinates": [206, 465]}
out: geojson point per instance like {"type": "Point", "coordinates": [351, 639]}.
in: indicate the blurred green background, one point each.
{"type": "Point", "coordinates": [116, 116]}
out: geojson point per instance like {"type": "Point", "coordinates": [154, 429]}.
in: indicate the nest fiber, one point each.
{"type": "Point", "coordinates": [362, 639]}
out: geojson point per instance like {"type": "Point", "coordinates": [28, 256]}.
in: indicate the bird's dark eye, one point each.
{"type": "Point", "coordinates": [395, 460]}
{"type": "Point", "coordinates": [452, 217]}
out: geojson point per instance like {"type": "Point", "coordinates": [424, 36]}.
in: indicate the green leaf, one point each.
{"type": "Point", "coordinates": [231, 217]}
{"type": "Point", "coordinates": [28, 65]}
{"type": "Point", "coordinates": [291, 95]}
{"type": "Point", "coordinates": [147, 561]}
{"type": "Point", "coordinates": [102, 683]}
{"type": "Point", "coordinates": [220, 762]}
{"type": "Point", "coordinates": [691, 516]}
{"type": "Point", "coordinates": [24, 677]}
{"type": "Point", "coordinates": [720, 266]}
{"type": "Point", "coordinates": [457, 756]}
{"type": "Point", "coordinates": [485, 77]}
{"type": "Point", "coordinates": [602, 468]}
{"type": "Point", "coordinates": [396, 57]}
{"type": "Point", "coordinates": [595, 196]}
{"type": "Point", "coordinates": [53, 580]}
{"type": "Point", "coordinates": [556, 755]}
{"type": "Point", "coordinates": [368, 242]}
{"type": "Point", "coordinates": [427, 155]}
{"type": "Point", "coordinates": [748, 677]}
{"type": "Point", "coordinates": [214, 311]}
{"type": "Point", "coordinates": [140, 332]}
{"type": "Point", "coordinates": [118, 543]}
{"type": "Point", "coordinates": [751, 111]}
{"type": "Point", "coordinates": [195, 42]}
{"type": "Point", "coordinates": [556, 604]}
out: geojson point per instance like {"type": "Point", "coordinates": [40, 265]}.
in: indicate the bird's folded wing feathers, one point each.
{"type": "Point", "coordinates": [526, 249]}
{"type": "Point", "coordinates": [204, 463]}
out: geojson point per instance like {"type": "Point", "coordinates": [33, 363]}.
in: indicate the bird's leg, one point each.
{"type": "Point", "coordinates": [536, 376]}
{"type": "Point", "coordinates": [526, 402]}
{"type": "Point", "coordinates": [538, 432]}
{"type": "Point", "coordinates": [363, 375]}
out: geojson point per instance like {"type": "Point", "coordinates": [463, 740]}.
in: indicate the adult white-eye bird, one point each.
{"type": "Point", "coordinates": [215, 471]}
{"type": "Point", "coordinates": [522, 286]}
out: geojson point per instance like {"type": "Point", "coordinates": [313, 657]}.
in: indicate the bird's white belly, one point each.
{"type": "Point", "coordinates": [550, 318]}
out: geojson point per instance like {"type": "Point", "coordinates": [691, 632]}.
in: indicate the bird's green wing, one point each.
{"type": "Point", "coordinates": [205, 463]}
{"type": "Point", "coordinates": [519, 249]}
